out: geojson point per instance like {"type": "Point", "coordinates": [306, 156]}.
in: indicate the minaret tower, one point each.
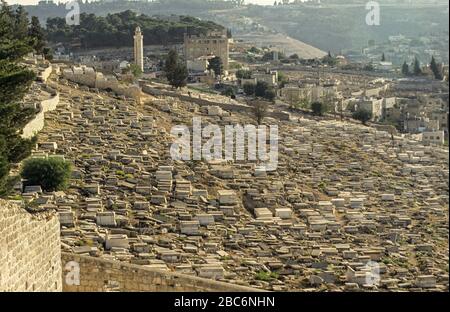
{"type": "Point", "coordinates": [139, 48]}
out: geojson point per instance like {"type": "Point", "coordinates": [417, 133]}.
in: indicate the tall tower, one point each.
{"type": "Point", "coordinates": [139, 48]}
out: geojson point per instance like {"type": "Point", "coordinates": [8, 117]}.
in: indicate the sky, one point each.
{"type": "Point", "coordinates": [56, 1]}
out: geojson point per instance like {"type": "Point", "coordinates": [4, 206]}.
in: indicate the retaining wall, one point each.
{"type": "Point", "coordinates": [38, 122]}
{"type": "Point", "coordinates": [97, 275]}
{"type": "Point", "coordinates": [30, 250]}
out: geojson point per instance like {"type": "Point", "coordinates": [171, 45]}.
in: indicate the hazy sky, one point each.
{"type": "Point", "coordinates": [56, 1]}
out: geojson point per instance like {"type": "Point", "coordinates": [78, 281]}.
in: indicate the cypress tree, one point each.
{"type": "Point", "coordinates": [435, 69]}
{"type": "Point", "coordinates": [405, 69]}
{"type": "Point", "coordinates": [417, 70]}
{"type": "Point", "coordinates": [37, 35]}
{"type": "Point", "coordinates": [14, 83]}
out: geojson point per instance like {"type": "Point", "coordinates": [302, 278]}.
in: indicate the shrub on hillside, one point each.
{"type": "Point", "coordinates": [362, 115]}
{"type": "Point", "coordinates": [51, 174]}
{"type": "Point", "coordinates": [318, 108]}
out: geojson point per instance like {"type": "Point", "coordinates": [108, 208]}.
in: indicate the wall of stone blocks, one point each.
{"type": "Point", "coordinates": [201, 102]}
{"type": "Point", "coordinates": [45, 74]}
{"type": "Point", "coordinates": [30, 250]}
{"type": "Point", "coordinates": [100, 82]}
{"type": "Point", "coordinates": [98, 275]}
{"type": "Point", "coordinates": [37, 123]}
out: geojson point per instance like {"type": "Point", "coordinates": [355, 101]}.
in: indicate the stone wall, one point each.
{"type": "Point", "coordinates": [202, 102]}
{"type": "Point", "coordinates": [30, 250]}
{"type": "Point", "coordinates": [89, 77]}
{"type": "Point", "coordinates": [98, 275]}
{"type": "Point", "coordinates": [38, 122]}
{"type": "Point", "coordinates": [45, 74]}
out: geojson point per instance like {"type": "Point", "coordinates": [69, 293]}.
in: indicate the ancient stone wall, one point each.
{"type": "Point", "coordinates": [97, 275]}
{"type": "Point", "coordinates": [30, 250]}
{"type": "Point", "coordinates": [89, 77]}
{"type": "Point", "coordinates": [37, 123]}
{"type": "Point", "coordinates": [45, 74]}
{"type": "Point", "coordinates": [202, 102]}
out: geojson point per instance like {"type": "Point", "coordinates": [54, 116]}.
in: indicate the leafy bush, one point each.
{"type": "Point", "coordinates": [270, 95]}
{"type": "Point", "coordinates": [51, 174]}
{"type": "Point", "coordinates": [318, 108]}
{"type": "Point", "coordinates": [260, 111]}
{"type": "Point", "coordinates": [243, 74]}
{"type": "Point", "coordinates": [266, 276]}
{"type": "Point", "coordinates": [229, 91]}
{"type": "Point", "coordinates": [261, 88]}
{"type": "Point", "coordinates": [362, 115]}
{"type": "Point", "coordinates": [249, 88]}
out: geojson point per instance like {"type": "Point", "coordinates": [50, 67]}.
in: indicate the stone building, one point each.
{"type": "Point", "coordinates": [433, 137]}
{"type": "Point", "coordinates": [213, 43]}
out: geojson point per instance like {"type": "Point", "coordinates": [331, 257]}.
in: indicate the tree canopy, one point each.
{"type": "Point", "coordinates": [417, 69]}
{"type": "Point", "coordinates": [15, 81]}
{"type": "Point", "coordinates": [435, 69]}
{"type": "Point", "coordinates": [216, 65]}
{"type": "Point", "coordinates": [362, 115]}
{"type": "Point", "coordinates": [114, 30]}
{"type": "Point", "coordinates": [176, 70]}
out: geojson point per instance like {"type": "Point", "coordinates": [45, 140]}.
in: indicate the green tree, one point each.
{"type": "Point", "coordinates": [261, 88]}
{"type": "Point", "coordinates": [171, 64]}
{"type": "Point", "coordinates": [52, 174]}
{"type": "Point", "coordinates": [176, 71]}
{"type": "Point", "coordinates": [329, 59]}
{"type": "Point", "coordinates": [11, 48]}
{"type": "Point", "coordinates": [269, 56]}
{"type": "Point", "coordinates": [135, 70]}
{"type": "Point", "coordinates": [114, 30]}
{"type": "Point", "coordinates": [318, 108]}
{"type": "Point", "coordinates": [216, 65]}
{"type": "Point", "coordinates": [229, 33]}
{"type": "Point", "coordinates": [405, 69]}
{"type": "Point", "coordinates": [383, 58]}
{"type": "Point", "coordinates": [15, 81]}
{"type": "Point", "coordinates": [243, 74]}
{"type": "Point", "coordinates": [254, 50]}
{"type": "Point", "coordinates": [180, 76]}
{"type": "Point", "coordinates": [249, 88]}
{"type": "Point", "coordinates": [37, 35]}
{"type": "Point", "coordinates": [270, 95]}
{"type": "Point", "coordinates": [417, 68]}
{"type": "Point", "coordinates": [369, 67]}
{"type": "Point", "coordinates": [229, 91]}
{"type": "Point", "coordinates": [282, 80]}
{"type": "Point", "coordinates": [435, 69]}
{"type": "Point", "coordinates": [21, 23]}
{"type": "Point", "coordinates": [362, 115]}
{"type": "Point", "coordinates": [259, 110]}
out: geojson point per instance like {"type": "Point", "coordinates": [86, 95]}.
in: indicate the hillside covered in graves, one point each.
{"type": "Point", "coordinates": [344, 198]}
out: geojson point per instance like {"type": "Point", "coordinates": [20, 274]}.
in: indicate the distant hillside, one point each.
{"type": "Point", "coordinates": [117, 30]}
{"type": "Point", "coordinates": [162, 7]}
{"type": "Point", "coordinates": [334, 25]}
{"type": "Point", "coordinates": [340, 27]}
